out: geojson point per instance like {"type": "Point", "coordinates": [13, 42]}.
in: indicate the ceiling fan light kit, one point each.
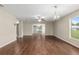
{"type": "Point", "coordinates": [39, 20]}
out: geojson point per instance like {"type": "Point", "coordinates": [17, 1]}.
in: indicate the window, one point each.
{"type": "Point", "coordinates": [75, 28]}
{"type": "Point", "coordinates": [38, 28]}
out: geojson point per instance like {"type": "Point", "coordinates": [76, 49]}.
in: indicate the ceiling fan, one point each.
{"type": "Point", "coordinates": [1, 5]}
{"type": "Point", "coordinates": [40, 18]}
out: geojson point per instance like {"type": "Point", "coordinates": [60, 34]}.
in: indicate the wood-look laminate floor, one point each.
{"type": "Point", "coordinates": [39, 45]}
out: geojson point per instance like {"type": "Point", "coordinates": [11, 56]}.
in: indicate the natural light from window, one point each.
{"type": "Point", "coordinates": [75, 28]}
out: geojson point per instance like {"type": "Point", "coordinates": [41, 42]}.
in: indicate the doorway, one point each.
{"type": "Point", "coordinates": [38, 31]}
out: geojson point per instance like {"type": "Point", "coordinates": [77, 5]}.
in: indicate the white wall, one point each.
{"type": "Point", "coordinates": [27, 28]}
{"type": "Point", "coordinates": [61, 29]}
{"type": "Point", "coordinates": [7, 28]}
{"type": "Point", "coordinates": [20, 29]}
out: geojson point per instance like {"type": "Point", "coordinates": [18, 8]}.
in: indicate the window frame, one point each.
{"type": "Point", "coordinates": [70, 28]}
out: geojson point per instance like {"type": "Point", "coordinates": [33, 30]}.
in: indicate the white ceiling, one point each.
{"type": "Point", "coordinates": [28, 11]}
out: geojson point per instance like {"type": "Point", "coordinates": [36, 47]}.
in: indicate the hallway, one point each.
{"type": "Point", "coordinates": [39, 46]}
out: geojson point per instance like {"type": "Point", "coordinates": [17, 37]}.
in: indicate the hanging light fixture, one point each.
{"type": "Point", "coordinates": [56, 16]}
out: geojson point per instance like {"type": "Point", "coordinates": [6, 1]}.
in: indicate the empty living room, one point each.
{"type": "Point", "coordinates": [39, 29]}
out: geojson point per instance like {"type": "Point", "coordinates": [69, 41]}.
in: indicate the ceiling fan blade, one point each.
{"type": "Point", "coordinates": [43, 20]}
{"type": "Point", "coordinates": [1, 5]}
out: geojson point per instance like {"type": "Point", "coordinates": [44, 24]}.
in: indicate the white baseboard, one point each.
{"type": "Point", "coordinates": [72, 43]}
{"type": "Point", "coordinates": [7, 43]}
